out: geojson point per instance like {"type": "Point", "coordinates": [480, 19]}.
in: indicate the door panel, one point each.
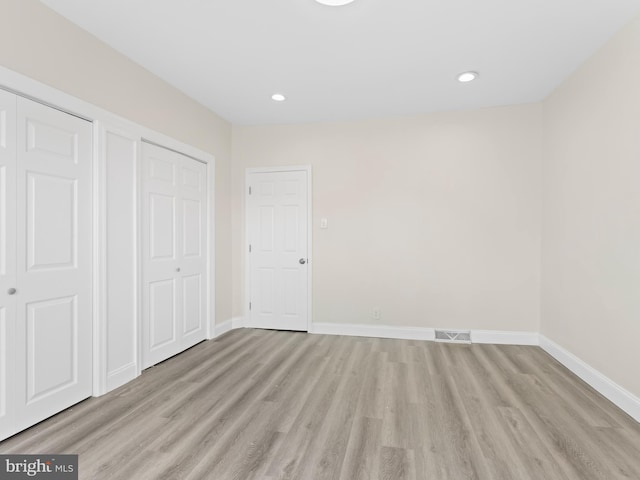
{"type": "Point", "coordinates": [163, 213]}
{"type": "Point", "coordinates": [51, 221]}
{"type": "Point", "coordinates": [174, 260]}
{"type": "Point", "coordinates": [192, 216]}
{"type": "Point", "coordinates": [289, 291]}
{"type": "Point", "coordinates": [291, 228]}
{"type": "Point", "coordinates": [192, 318]}
{"type": "Point", "coordinates": [54, 141]}
{"type": "Point", "coordinates": [54, 252]}
{"type": "Point", "coordinates": [163, 170]}
{"type": "Point", "coordinates": [277, 231]}
{"type": "Point", "coordinates": [267, 291]}
{"type": "Point", "coordinates": [51, 367]}
{"type": "Point", "coordinates": [265, 240]}
{"type": "Point", "coordinates": [6, 427]}
{"type": "Point", "coordinates": [163, 312]}
{"type": "Point", "coordinates": [3, 215]}
{"type": "Point", "coordinates": [192, 179]}
{"type": "Point", "coordinates": [8, 257]}
{"type": "Point", "coordinates": [194, 260]}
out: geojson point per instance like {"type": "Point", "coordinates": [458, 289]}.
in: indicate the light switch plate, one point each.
{"type": "Point", "coordinates": [324, 223]}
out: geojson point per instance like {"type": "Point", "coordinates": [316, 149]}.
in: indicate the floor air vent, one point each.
{"type": "Point", "coordinates": [456, 336]}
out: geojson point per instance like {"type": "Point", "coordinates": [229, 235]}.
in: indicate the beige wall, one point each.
{"type": "Point", "coordinates": [591, 229]}
{"type": "Point", "coordinates": [39, 43]}
{"type": "Point", "coordinates": [433, 219]}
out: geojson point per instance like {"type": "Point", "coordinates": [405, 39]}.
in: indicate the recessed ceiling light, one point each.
{"type": "Point", "coordinates": [278, 97]}
{"type": "Point", "coordinates": [334, 3]}
{"type": "Point", "coordinates": [467, 77]}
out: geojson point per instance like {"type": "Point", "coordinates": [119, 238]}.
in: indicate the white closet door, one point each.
{"type": "Point", "coordinates": [54, 251]}
{"type": "Point", "coordinates": [7, 259]}
{"type": "Point", "coordinates": [193, 252]}
{"type": "Point", "coordinates": [174, 253]}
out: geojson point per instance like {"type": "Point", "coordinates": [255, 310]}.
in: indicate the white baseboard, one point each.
{"type": "Point", "coordinates": [231, 324]}
{"type": "Point", "coordinates": [221, 328]}
{"type": "Point", "coordinates": [621, 397]}
{"type": "Point", "coordinates": [498, 337]}
{"type": "Point", "coordinates": [120, 376]}
{"type": "Point", "coordinates": [376, 331]}
{"type": "Point", "coordinates": [420, 333]}
{"type": "Point", "coordinates": [238, 322]}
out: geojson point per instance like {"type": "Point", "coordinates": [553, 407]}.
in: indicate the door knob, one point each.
{"type": "Point", "coordinates": [12, 291]}
{"type": "Point", "coordinates": [178, 269]}
{"type": "Point", "coordinates": [302, 261]}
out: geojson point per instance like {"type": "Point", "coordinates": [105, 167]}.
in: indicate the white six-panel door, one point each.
{"type": "Point", "coordinates": [7, 261]}
{"type": "Point", "coordinates": [277, 227]}
{"type": "Point", "coordinates": [50, 292]}
{"type": "Point", "coordinates": [174, 252]}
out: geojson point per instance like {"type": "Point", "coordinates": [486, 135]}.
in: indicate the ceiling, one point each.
{"type": "Point", "coordinates": [371, 58]}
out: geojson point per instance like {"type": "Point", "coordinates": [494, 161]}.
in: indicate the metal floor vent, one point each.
{"type": "Point", "coordinates": [456, 336]}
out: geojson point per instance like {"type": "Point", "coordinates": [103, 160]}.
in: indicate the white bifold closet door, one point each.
{"type": "Point", "coordinates": [45, 262]}
{"type": "Point", "coordinates": [174, 253]}
{"type": "Point", "coordinates": [7, 262]}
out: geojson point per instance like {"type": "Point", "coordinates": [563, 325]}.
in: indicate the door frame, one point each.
{"type": "Point", "coordinates": [106, 121]}
{"type": "Point", "coordinates": [247, 257]}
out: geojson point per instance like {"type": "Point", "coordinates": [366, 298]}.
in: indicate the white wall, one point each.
{"type": "Point", "coordinates": [591, 228]}
{"type": "Point", "coordinates": [39, 43]}
{"type": "Point", "coordinates": [433, 219]}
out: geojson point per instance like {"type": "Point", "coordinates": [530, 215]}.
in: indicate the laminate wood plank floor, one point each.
{"type": "Point", "coordinates": [259, 404]}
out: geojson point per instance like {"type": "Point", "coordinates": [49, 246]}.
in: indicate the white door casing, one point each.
{"type": "Point", "coordinates": [7, 260]}
{"type": "Point", "coordinates": [278, 265]}
{"type": "Point", "coordinates": [174, 253]}
{"type": "Point", "coordinates": [53, 330]}
{"type": "Point", "coordinates": [110, 354]}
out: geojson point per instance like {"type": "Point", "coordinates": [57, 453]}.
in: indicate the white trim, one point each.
{"type": "Point", "coordinates": [422, 333]}
{"type": "Point", "coordinates": [99, 262]}
{"type": "Point", "coordinates": [375, 331]}
{"type": "Point", "coordinates": [211, 247]}
{"type": "Point", "coordinates": [246, 257]}
{"type": "Point", "coordinates": [499, 337]}
{"type": "Point", "coordinates": [309, 249]}
{"type": "Point", "coordinates": [289, 168]}
{"type": "Point", "coordinates": [621, 397]}
{"type": "Point", "coordinates": [231, 324]}
{"type": "Point", "coordinates": [35, 90]}
{"type": "Point", "coordinates": [222, 328]}
{"type": "Point", "coordinates": [109, 380]}
{"type": "Point", "coordinates": [247, 263]}
{"type": "Point", "coordinates": [138, 230]}
{"type": "Point", "coordinates": [38, 91]}
{"type": "Point", "coordinates": [237, 322]}
{"type": "Point", "coordinates": [122, 375]}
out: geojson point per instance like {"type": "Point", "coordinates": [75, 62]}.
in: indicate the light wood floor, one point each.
{"type": "Point", "coordinates": [258, 404]}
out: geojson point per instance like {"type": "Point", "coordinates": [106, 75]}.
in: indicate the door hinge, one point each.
{"type": "Point", "coordinates": [249, 190]}
{"type": "Point", "coordinates": [249, 305]}
{"type": "Point", "coordinates": [249, 248]}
